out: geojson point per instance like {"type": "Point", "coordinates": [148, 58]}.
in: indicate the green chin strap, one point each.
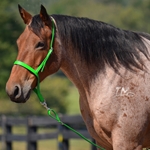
{"type": "Point", "coordinates": [41, 66]}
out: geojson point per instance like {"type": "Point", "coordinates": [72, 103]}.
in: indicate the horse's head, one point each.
{"type": "Point", "coordinates": [33, 45]}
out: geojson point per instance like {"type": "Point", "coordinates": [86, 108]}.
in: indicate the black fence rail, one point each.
{"type": "Point", "coordinates": [32, 124]}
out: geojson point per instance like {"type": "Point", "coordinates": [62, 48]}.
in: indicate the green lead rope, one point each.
{"type": "Point", "coordinates": [41, 67]}
{"type": "Point", "coordinates": [55, 116]}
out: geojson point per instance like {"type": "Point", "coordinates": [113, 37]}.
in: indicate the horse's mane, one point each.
{"type": "Point", "coordinates": [99, 43]}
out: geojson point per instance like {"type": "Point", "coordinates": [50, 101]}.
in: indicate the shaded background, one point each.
{"type": "Point", "coordinates": [61, 95]}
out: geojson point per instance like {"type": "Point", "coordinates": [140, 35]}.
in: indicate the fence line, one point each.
{"type": "Point", "coordinates": [32, 124]}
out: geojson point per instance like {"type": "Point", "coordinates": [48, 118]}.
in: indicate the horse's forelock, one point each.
{"type": "Point", "coordinates": [36, 25]}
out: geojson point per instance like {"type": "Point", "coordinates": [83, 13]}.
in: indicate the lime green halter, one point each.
{"type": "Point", "coordinates": [40, 67]}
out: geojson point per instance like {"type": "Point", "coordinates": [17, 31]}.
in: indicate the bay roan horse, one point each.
{"type": "Point", "coordinates": [109, 66]}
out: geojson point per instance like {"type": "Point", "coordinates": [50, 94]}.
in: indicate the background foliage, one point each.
{"type": "Point", "coordinates": [125, 14]}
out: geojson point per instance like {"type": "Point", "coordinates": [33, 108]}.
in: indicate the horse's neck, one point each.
{"type": "Point", "coordinates": [86, 78]}
{"type": "Point", "coordinates": [77, 73]}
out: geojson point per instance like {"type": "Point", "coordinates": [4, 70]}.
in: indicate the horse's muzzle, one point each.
{"type": "Point", "coordinates": [17, 93]}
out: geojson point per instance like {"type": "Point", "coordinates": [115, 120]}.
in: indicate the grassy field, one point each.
{"type": "Point", "coordinates": [52, 145]}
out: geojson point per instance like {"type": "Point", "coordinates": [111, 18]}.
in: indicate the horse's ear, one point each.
{"type": "Point", "coordinates": [25, 15]}
{"type": "Point", "coordinates": [45, 17]}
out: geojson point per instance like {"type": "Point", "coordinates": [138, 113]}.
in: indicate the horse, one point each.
{"type": "Point", "coordinates": [109, 66]}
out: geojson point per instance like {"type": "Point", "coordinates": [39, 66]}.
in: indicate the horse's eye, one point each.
{"type": "Point", "coordinates": [40, 45]}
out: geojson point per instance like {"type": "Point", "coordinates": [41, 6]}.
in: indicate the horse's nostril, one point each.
{"type": "Point", "coordinates": [17, 91]}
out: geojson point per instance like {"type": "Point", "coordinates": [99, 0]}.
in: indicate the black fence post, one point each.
{"type": "Point", "coordinates": [8, 131]}
{"type": "Point", "coordinates": [31, 145]}
{"type": "Point", "coordinates": [63, 144]}
{"type": "Point", "coordinates": [93, 147]}
{"type": "Point", "coordinates": [3, 136]}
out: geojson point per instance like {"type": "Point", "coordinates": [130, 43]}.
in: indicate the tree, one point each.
{"type": "Point", "coordinates": [9, 31]}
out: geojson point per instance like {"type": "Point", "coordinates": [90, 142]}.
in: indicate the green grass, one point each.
{"type": "Point", "coordinates": [73, 101]}
{"type": "Point", "coordinates": [52, 145]}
